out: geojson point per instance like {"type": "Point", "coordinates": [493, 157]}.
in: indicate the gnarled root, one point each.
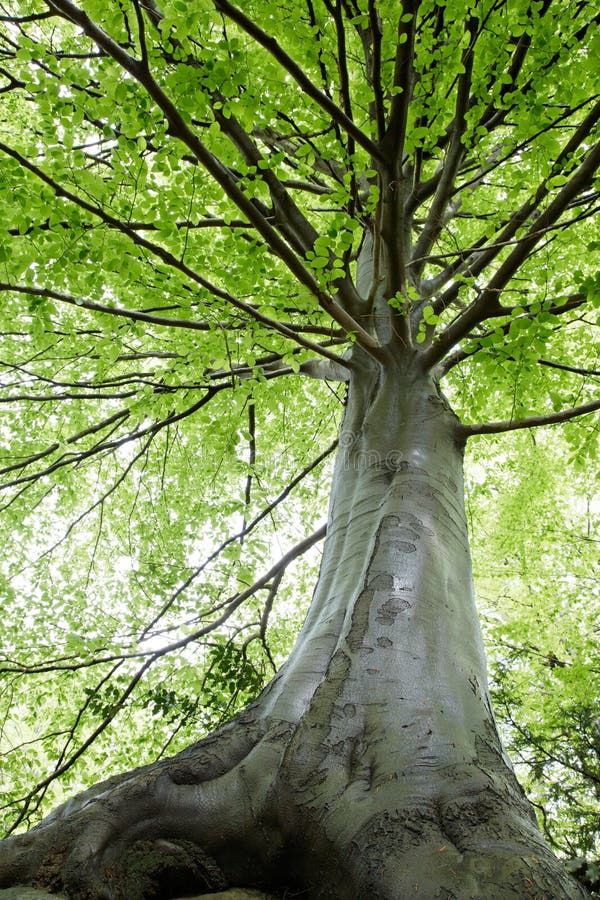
{"type": "Point", "coordinates": [191, 823]}
{"type": "Point", "coordinates": [282, 808]}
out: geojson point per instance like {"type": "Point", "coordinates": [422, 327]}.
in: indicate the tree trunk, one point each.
{"type": "Point", "coordinates": [370, 767]}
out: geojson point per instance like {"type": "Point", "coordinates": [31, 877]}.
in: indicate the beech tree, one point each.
{"type": "Point", "coordinates": [226, 232]}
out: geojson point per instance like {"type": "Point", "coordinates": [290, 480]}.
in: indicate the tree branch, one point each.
{"type": "Point", "coordinates": [392, 143]}
{"type": "Point", "coordinates": [588, 373]}
{"type": "Point", "coordinates": [375, 67]}
{"type": "Point", "coordinates": [119, 416]}
{"type": "Point", "coordinates": [488, 299]}
{"type": "Point", "coordinates": [240, 535]}
{"type": "Point", "coordinates": [445, 186]}
{"type": "Point", "coordinates": [475, 259]}
{"type": "Point", "coordinates": [65, 764]}
{"type": "Point", "coordinates": [573, 301]}
{"type": "Point", "coordinates": [71, 664]}
{"type": "Point", "coordinates": [70, 459]}
{"type": "Point", "coordinates": [467, 431]}
{"type": "Point", "coordinates": [218, 171]}
{"type": "Point", "coordinates": [175, 263]}
{"type": "Point", "coordinates": [311, 90]}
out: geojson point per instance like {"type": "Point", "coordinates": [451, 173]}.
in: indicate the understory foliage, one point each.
{"type": "Point", "coordinates": [535, 547]}
{"type": "Point", "coordinates": [186, 189]}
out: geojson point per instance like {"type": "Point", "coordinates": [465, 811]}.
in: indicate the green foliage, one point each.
{"type": "Point", "coordinates": [535, 542]}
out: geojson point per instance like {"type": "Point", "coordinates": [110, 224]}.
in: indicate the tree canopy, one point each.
{"type": "Point", "coordinates": [187, 190]}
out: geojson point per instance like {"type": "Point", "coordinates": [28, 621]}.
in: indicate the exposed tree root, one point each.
{"type": "Point", "coordinates": [184, 826]}
{"type": "Point", "coordinates": [151, 833]}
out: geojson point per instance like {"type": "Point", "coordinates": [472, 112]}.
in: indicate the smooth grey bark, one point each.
{"type": "Point", "coordinates": [370, 767]}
